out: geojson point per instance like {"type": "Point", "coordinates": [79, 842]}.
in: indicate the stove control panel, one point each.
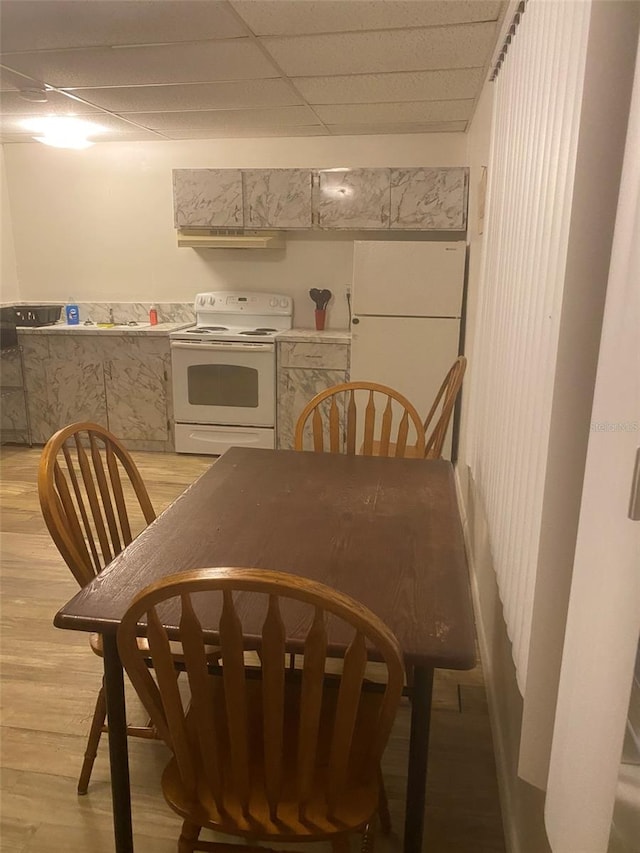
{"type": "Point", "coordinates": [240, 302]}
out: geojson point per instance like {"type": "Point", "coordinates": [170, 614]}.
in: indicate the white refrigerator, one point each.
{"type": "Point", "coordinates": [406, 307]}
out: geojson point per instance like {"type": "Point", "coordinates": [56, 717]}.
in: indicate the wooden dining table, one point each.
{"type": "Point", "coordinates": [385, 531]}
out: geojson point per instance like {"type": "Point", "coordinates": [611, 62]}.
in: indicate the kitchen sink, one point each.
{"type": "Point", "coordinates": [95, 327]}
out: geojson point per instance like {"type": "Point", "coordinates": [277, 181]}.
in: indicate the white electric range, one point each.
{"type": "Point", "coordinates": [224, 371]}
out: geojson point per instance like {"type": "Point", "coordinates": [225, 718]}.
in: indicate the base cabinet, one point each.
{"type": "Point", "coordinates": [121, 382]}
{"type": "Point", "coordinates": [305, 369]}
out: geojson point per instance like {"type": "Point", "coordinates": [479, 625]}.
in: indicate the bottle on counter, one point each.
{"type": "Point", "coordinates": [153, 316]}
{"type": "Point", "coordinates": [72, 313]}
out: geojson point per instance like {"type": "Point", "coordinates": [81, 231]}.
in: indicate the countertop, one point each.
{"type": "Point", "coordinates": [140, 330]}
{"type": "Point", "coordinates": [327, 336]}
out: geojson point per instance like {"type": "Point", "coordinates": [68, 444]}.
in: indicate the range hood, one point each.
{"type": "Point", "coordinates": [212, 238]}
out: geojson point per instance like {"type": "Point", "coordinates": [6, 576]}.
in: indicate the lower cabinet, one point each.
{"type": "Point", "coordinates": [305, 369]}
{"type": "Point", "coordinates": [121, 382]}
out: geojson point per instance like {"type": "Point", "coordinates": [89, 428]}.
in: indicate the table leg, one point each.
{"type": "Point", "coordinates": [118, 755]}
{"type": "Point", "coordinates": [418, 754]}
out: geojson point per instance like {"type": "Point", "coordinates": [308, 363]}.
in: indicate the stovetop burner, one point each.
{"type": "Point", "coordinates": [258, 331]}
{"type": "Point", "coordinates": [200, 329]}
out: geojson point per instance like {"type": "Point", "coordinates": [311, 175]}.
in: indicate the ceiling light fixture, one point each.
{"type": "Point", "coordinates": [63, 131]}
{"type": "Point", "coordinates": [34, 95]}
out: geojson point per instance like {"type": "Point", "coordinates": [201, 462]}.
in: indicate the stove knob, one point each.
{"type": "Point", "coordinates": [273, 302]}
{"type": "Point", "coordinates": [284, 302]}
{"type": "Point", "coordinates": [210, 300]}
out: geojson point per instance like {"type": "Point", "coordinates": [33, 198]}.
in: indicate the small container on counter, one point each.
{"type": "Point", "coordinates": [153, 315]}
{"type": "Point", "coordinates": [72, 313]}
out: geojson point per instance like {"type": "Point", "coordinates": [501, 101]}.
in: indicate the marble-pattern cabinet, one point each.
{"type": "Point", "coordinates": [136, 371]}
{"type": "Point", "coordinates": [429, 199]}
{"type": "Point", "coordinates": [207, 198]}
{"type": "Point", "coordinates": [353, 198]}
{"type": "Point", "coordinates": [121, 382]}
{"type": "Point", "coordinates": [13, 401]}
{"type": "Point", "coordinates": [305, 369]}
{"type": "Point", "coordinates": [277, 198]}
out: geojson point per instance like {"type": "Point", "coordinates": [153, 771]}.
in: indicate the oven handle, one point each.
{"type": "Point", "coordinates": [228, 347]}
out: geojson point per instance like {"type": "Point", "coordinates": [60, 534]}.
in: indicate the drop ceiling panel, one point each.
{"type": "Point", "coordinates": [294, 17]}
{"type": "Point", "coordinates": [415, 111]}
{"type": "Point", "coordinates": [206, 119]}
{"type": "Point", "coordinates": [201, 69]}
{"type": "Point", "coordinates": [193, 96]}
{"type": "Point", "coordinates": [240, 133]}
{"type": "Point", "coordinates": [195, 62]}
{"type": "Point", "coordinates": [401, 86]}
{"type": "Point", "coordinates": [53, 24]}
{"type": "Point", "coordinates": [464, 46]}
{"type": "Point", "coordinates": [417, 127]}
{"type": "Point", "coordinates": [12, 103]}
{"type": "Point", "coordinates": [13, 123]}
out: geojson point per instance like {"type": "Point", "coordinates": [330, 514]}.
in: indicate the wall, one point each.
{"type": "Point", "coordinates": [102, 219]}
{"type": "Point", "coordinates": [9, 291]}
{"type": "Point", "coordinates": [522, 804]}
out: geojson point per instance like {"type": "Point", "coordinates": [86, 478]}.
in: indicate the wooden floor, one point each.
{"type": "Point", "coordinates": [49, 681]}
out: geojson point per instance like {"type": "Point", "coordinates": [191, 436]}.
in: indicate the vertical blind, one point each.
{"type": "Point", "coordinates": [531, 171]}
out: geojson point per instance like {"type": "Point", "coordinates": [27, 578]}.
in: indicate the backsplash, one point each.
{"type": "Point", "coordinates": [123, 312]}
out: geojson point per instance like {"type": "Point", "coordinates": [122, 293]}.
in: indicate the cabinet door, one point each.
{"type": "Point", "coordinates": [277, 198]}
{"type": "Point", "coordinates": [207, 197]}
{"type": "Point", "coordinates": [296, 386]}
{"type": "Point", "coordinates": [429, 199]}
{"type": "Point", "coordinates": [353, 198]}
{"type": "Point", "coordinates": [136, 389]}
{"type": "Point", "coordinates": [74, 385]}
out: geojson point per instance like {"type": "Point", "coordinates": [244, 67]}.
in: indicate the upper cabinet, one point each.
{"type": "Point", "coordinates": [277, 198]}
{"type": "Point", "coordinates": [353, 198]}
{"type": "Point", "coordinates": [417, 199]}
{"type": "Point", "coordinates": [429, 199]}
{"type": "Point", "coordinates": [207, 198]}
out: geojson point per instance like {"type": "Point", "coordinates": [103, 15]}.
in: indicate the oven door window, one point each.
{"type": "Point", "coordinates": [229, 385]}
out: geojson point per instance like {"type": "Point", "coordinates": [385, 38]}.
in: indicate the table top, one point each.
{"type": "Point", "coordinates": [385, 531]}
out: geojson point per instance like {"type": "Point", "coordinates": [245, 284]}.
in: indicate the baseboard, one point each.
{"type": "Point", "coordinates": [498, 726]}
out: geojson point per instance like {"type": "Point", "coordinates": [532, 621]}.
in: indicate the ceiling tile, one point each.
{"type": "Point", "coordinates": [13, 123]}
{"type": "Point", "coordinates": [293, 17]}
{"type": "Point", "coordinates": [44, 24]}
{"type": "Point", "coordinates": [463, 46]}
{"type": "Point", "coordinates": [246, 132]}
{"type": "Point", "coordinates": [200, 62]}
{"type": "Point", "coordinates": [401, 86]}
{"type": "Point", "coordinates": [209, 119]}
{"type": "Point", "coordinates": [11, 103]}
{"type": "Point", "coordinates": [413, 111]}
{"type": "Point", "coordinates": [193, 96]}
{"type": "Point", "coordinates": [418, 127]}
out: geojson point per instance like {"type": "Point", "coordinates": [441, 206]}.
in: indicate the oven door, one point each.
{"type": "Point", "coordinates": [224, 383]}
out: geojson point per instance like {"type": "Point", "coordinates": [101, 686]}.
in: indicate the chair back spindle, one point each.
{"type": "Point", "coordinates": [92, 497]}
{"type": "Point", "coordinates": [352, 414]}
{"type": "Point", "coordinates": [254, 744]}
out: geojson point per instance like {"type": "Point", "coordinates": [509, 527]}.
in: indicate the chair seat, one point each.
{"type": "Point", "coordinates": [97, 647]}
{"type": "Point", "coordinates": [409, 452]}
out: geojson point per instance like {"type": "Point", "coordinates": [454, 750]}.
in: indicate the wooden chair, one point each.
{"type": "Point", "coordinates": [437, 421]}
{"type": "Point", "coordinates": [287, 756]}
{"type": "Point", "coordinates": [92, 497]}
{"type": "Point", "coordinates": [338, 418]}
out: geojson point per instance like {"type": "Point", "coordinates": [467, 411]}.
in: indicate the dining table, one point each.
{"type": "Point", "coordinates": [386, 531]}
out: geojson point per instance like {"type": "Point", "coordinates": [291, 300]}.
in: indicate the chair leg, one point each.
{"type": "Point", "coordinates": [188, 837]}
{"type": "Point", "coordinates": [383, 808]}
{"type": "Point", "coordinates": [99, 716]}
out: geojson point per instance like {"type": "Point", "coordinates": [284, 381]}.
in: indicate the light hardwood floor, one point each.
{"type": "Point", "coordinates": [49, 679]}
